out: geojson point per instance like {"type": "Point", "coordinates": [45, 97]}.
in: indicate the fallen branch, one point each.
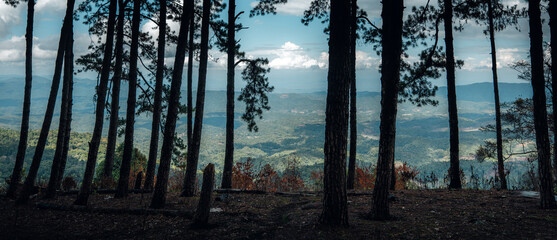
{"type": "Point", "coordinates": [131, 211]}
{"type": "Point", "coordinates": [103, 191]}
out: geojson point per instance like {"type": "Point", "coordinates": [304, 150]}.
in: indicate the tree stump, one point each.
{"type": "Point", "coordinates": [201, 217]}
{"type": "Point", "coordinates": [138, 180]}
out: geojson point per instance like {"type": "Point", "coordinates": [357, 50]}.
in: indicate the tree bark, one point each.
{"type": "Point", "coordinates": [122, 190]}
{"type": "Point", "coordinates": [66, 149]}
{"type": "Point", "coordinates": [353, 109]}
{"type": "Point", "coordinates": [85, 189]}
{"type": "Point", "coordinates": [193, 153]}
{"type": "Point", "coordinates": [191, 53]}
{"type": "Point", "coordinates": [454, 170]}
{"type": "Point", "coordinates": [553, 27]}
{"type": "Point", "coordinates": [231, 51]}
{"type": "Point", "coordinates": [500, 163]}
{"type": "Point", "coordinates": [41, 143]}
{"type": "Point", "coordinates": [159, 195]}
{"type": "Point", "coordinates": [24, 130]}
{"type": "Point", "coordinates": [390, 78]}
{"type": "Point", "coordinates": [201, 216]}
{"type": "Point", "coordinates": [65, 117]}
{"type": "Point", "coordinates": [335, 210]}
{"type": "Point", "coordinates": [155, 126]}
{"type": "Point", "coordinates": [115, 104]}
{"type": "Point", "coordinates": [540, 109]}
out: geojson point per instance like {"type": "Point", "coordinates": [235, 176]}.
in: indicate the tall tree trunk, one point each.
{"type": "Point", "coordinates": [335, 210]}
{"type": "Point", "coordinates": [500, 164]}
{"type": "Point", "coordinates": [62, 138]}
{"type": "Point", "coordinates": [159, 195]}
{"type": "Point", "coordinates": [64, 158]}
{"type": "Point", "coordinates": [41, 143]}
{"type": "Point", "coordinates": [123, 181]}
{"type": "Point", "coordinates": [553, 25]}
{"type": "Point", "coordinates": [540, 109]}
{"type": "Point", "coordinates": [155, 127]}
{"type": "Point", "coordinates": [193, 154]}
{"type": "Point", "coordinates": [454, 170]}
{"type": "Point", "coordinates": [24, 130]}
{"type": "Point", "coordinates": [115, 98]}
{"type": "Point", "coordinates": [231, 50]}
{"type": "Point", "coordinates": [353, 109]}
{"type": "Point", "coordinates": [191, 53]}
{"type": "Point", "coordinates": [390, 78]}
{"type": "Point", "coordinates": [85, 189]}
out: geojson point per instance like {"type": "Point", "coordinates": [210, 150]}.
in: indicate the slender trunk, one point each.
{"type": "Point", "coordinates": [64, 158]}
{"type": "Point", "coordinates": [83, 194]}
{"type": "Point", "coordinates": [41, 143]}
{"type": "Point", "coordinates": [115, 98]}
{"type": "Point", "coordinates": [454, 170]}
{"type": "Point", "coordinates": [390, 78]}
{"type": "Point", "coordinates": [64, 120]}
{"type": "Point", "coordinates": [231, 50]}
{"type": "Point", "coordinates": [122, 190]}
{"type": "Point", "coordinates": [159, 195]}
{"type": "Point", "coordinates": [155, 127]}
{"type": "Point", "coordinates": [540, 109]}
{"type": "Point", "coordinates": [500, 164]}
{"type": "Point", "coordinates": [553, 18]}
{"type": "Point", "coordinates": [335, 210]}
{"type": "Point", "coordinates": [353, 110]}
{"type": "Point", "coordinates": [24, 130]}
{"type": "Point", "coordinates": [201, 216]}
{"type": "Point", "coordinates": [191, 52]}
{"type": "Point", "coordinates": [193, 154]}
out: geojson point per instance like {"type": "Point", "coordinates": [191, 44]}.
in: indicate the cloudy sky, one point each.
{"type": "Point", "coordinates": [297, 53]}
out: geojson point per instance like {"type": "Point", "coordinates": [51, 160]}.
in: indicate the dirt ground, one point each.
{"type": "Point", "coordinates": [418, 214]}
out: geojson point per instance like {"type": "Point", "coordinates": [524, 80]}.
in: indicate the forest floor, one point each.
{"type": "Point", "coordinates": [418, 214]}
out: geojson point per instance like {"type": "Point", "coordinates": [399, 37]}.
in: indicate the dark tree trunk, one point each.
{"type": "Point", "coordinates": [231, 50]}
{"type": "Point", "coordinates": [155, 127]}
{"type": "Point", "coordinates": [454, 170]}
{"type": "Point", "coordinates": [540, 108]}
{"type": "Point", "coordinates": [115, 98]}
{"type": "Point", "coordinates": [85, 189]}
{"type": "Point", "coordinates": [66, 149]}
{"type": "Point", "coordinates": [63, 137]}
{"type": "Point", "coordinates": [353, 109]}
{"type": "Point", "coordinates": [500, 164]}
{"type": "Point", "coordinates": [335, 210]}
{"type": "Point", "coordinates": [201, 216]}
{"type": "Point", "coordinates": [24, 130]}
{"type": "Point", "coordinates": [191, 53]}
{"type": "Point", "coordinates": [159, 195]}
{"type": "Point", "coordinates": [138, 179]}
{"type": "Point", "coordinates": [193, 153]}
{"type": "Point", "coordinates": [552, 20]}
{"type": "Point", "coordinates": [41, 143]}
{"type": "Point", "coordinates": [122, 190]}
{"type": "Point", "coordinates": [390, 78]}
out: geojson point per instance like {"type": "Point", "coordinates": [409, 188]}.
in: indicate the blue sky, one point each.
{"type": "Point", "coordinates": [297, 53]}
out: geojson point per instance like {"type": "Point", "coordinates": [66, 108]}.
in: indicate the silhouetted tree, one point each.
{"type": "Point", "coordinates": [547, 199]}
{"type": "Point", "coordinates": [41, 143]}
{"type": "Point", "coordinates": [553, 25]}
{"type": "Point", "coordinates": [353, 94]}
{"type": "Point", "coordinates": [85, 189]}
{"type": "Point", "coordinates": [159, 195]}
{"type": "Point", "coordinates": [24, 130]}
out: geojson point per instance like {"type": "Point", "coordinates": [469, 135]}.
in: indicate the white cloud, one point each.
{"type": "Point", "coordinates": [9, 17]}
{"type": "Point", "coordinates": [292, 7]}
{"type": "Point", "coordinates": [56, 7]}
{"type": "Point", "coordinates": [505, 57]}
{"type": "Point", "coordinates": [291, 56]}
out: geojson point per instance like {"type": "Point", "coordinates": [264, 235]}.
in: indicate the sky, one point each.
{"type": "Point", "coordinates": [297, 54]}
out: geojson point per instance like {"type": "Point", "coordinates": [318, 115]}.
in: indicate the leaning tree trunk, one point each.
{"type": "Point", "coordinates": [64, 118]}
{"type": "Point", "coordinates": [231, 50]}
{"type": "Point", "coordinates": [41, 143]}
{"type": "Point", "coordinates": [353, 110]}
{"type": "Point", "coordinates": [64, 158]}
{"type": "Point", "coordinates": [335, 210]}
{"type": "Point", "coordinates": [123, 181]}
{"type": "Point", "coordinates": [500, 164]}
{"type": "Point", "coordinates": [191, 49]}
{"type": "Point", "coordinates": [155, 127]}
{"type": "Point", "coordinates": [553, 25]}
{"type": "Point", "coordinates": [159, 195]}
{"type": "Point", "coordinates": [201, 216]}
{"type": "Point", "coordinates": [115, 105]}
{"type": "Point", "coordinates": [83, 194]}
{"type": "Point", "coordinates": [390, 78]}
{"type": "Point", "coordinates": [540, 109]}
{"type": "Point", "coordinates": [24, 130]}
{"type": "Point", "coordinates": [193, 154]}
{"type": "Point", "coordinates": [454, 170]}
